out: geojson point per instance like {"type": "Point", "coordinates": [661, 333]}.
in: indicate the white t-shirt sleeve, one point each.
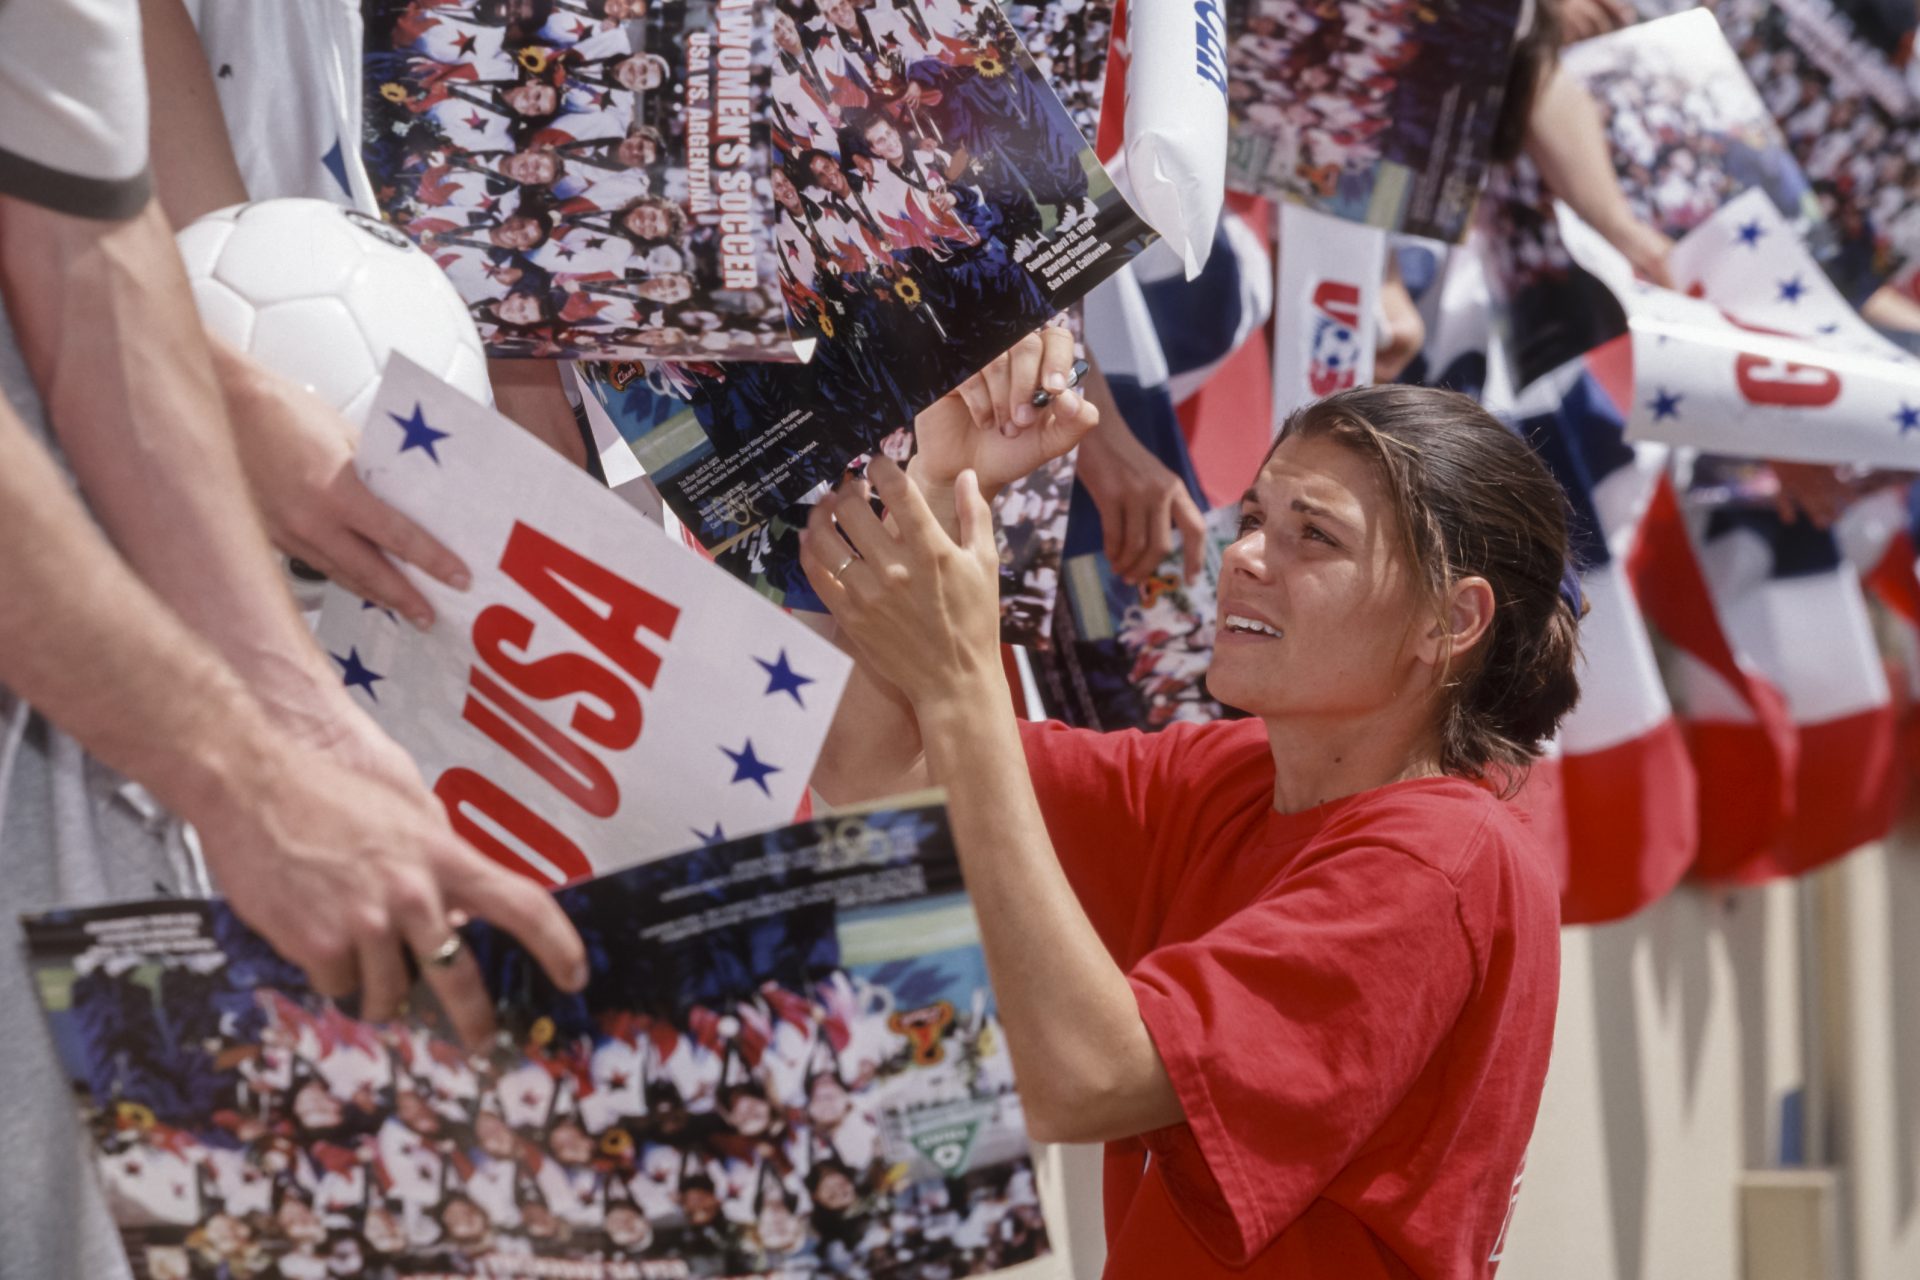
{"type": "Point", "coordinates": [73, 106]}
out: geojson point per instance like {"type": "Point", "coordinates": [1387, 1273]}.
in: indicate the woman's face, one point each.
{"type": "Point", "coordinates": [532, 99]}
{"type": "Point", "coordinates": [315, 1108]}
{"type": "Point", "coordinates": [1320, 616]}
{"type": "Point", "coordinates": [383, 1232]}
{"type": "Point", "coordinates": [666, 289]}
{"type": "Point", "coordinates": [834, 1192]}
{"type": "Point", "coordinates": [786, 36]}
{"type": "Point", "coordinates": [298, 1223]}
{"type": "Point", "coordinates": [750, 1114]}
{"type": "Point", "coordinates": [827, 1102]}
{"type": "Point", "coordinates": [570, 1144]}
{"type": "Point", "coordinates": [638, 150]}
{"type": "Point", "coordinates": [649, 222]}
{"type": "Point", "coordinates": [520, 309]}
{"type": "Point", "coordinates": [885, 140]}
{"type": "Point", "coordinates": [628, 1228]}
{"type": "Point", "coordinates": [640, 73]}
{"type": "Point", "coordinates": [783, 191]}
{"type": "Point", "coordinates": [538, 167]}
{"type": "Point", "coordinates": [495, 1138]}
{"type": "Point", "coordinates": [700, 1205]}
{"type": "Point", "coordinates": [464, 1220]}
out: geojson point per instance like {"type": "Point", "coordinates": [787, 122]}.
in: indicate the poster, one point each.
{"type": "Point", "coordinates": [1030, 531]}
{"type": "Point", "coordinates": [1030, 514]}
{"type": "Point", "coordinates": [1760, 356]}
{"type": "Point", "coordinates": [593, 177]}
{"type": "Point", "coordinates": [1377, 111]}
{"type": "Point", "coordinates": [924, 229]}
{"type": "Point", "coordinates": [1126, 657]}
{"type": "Point", "coordinates": [786, 1063]}
{"type": "Point", "coordinates": [601, 694]}
{"type": "Point", "coordinates": [1687, 131]}
{"type": "Point", "coordinates": [1838, 76]}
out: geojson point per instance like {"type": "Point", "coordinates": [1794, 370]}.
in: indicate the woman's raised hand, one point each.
{"type": "Point", "coordinates": [921, 604]}
{"type": "Point", "coordinates": [989, 424]}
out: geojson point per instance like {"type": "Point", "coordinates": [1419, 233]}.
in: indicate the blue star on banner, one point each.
{"type": "Point", "coordinates": [355, 673]}
{"type": "Point", "coordinates": [418, 434]}
{"type": "Point", "coordinates": [1908, 418]}
{"type": "Point", "coordinates": [708, 839]}
{"type": "Point", "coordinates": [747, 767]}
{"type": "Point", "coordinates": [1665, 404]}
{"type": "Point", "coordinates": [368, 604]}
{"type": "Point", "coordinates": [1790, 290]}
{"type": "Point", "coordinates": [1750, 233]}
{"type": "Point", "coordinates": [336, 165]}
{"type": "Point", "coordinates": [782, 678]}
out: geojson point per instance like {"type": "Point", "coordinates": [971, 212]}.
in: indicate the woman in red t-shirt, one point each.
{"type": "Point", "coordinates": [1297, 971]}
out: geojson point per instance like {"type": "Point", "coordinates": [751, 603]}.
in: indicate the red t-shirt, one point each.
{"type": "Point", "coordinates": [1355, 1004]}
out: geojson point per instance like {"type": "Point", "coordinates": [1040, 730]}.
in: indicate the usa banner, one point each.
{"type": "Point", "coordinates": [1761, 356]}
{"type": "Point", "coordinates": [1326, 302]}
{"type": "Point", "coordinates": [600, 696]}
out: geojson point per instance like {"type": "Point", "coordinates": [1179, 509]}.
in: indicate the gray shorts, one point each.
{"type": "Point", "coordinates": [69, 836]}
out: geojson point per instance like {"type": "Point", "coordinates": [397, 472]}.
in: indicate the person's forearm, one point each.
{"type": "Point", "coordinates": [87, 644]}
{"type": "Point", "coordinates": [873, 746]}
{"type": "Point", "coordinates": [107, 324]}
{"type": "Point", "coordinates": [1568, 144]}
{"type": "Point", "coordinates": [1087, 1068]}
{"type": "Point", "coordinates": [529, 392]}
{"type": "Point", "coordinates": [194, 170]}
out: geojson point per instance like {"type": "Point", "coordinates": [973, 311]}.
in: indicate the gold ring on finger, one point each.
{"type": "Point", "coordinates": [443, 956]}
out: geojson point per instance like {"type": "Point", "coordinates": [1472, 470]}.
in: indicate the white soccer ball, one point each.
{"type": "Point", "coordinates": [323, 295]}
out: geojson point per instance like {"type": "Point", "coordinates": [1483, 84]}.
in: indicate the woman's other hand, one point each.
{"type": "Point", "coordinates": [921, 604]}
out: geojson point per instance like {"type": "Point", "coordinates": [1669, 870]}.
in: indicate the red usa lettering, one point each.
{"type": "Point", "coordinates": [610, 614]}
{"type": "Point", "coordinates": [1785, 383]}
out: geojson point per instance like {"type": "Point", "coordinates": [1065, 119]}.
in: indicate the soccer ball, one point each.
{"type": "Point", "coordinates": [323, 295]}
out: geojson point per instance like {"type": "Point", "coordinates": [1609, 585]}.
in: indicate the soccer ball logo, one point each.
{"type": "Point", "coordinates": [323, 295]}
{"type": "Point", "coordinates": [1333, 354]}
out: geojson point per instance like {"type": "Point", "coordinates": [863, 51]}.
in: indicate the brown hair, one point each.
{"type": "Point", "coordinates": [1472, 500]}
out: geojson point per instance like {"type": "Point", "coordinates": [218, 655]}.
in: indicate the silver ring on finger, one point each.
{"type": "Point", "coordinates": [842, 566]}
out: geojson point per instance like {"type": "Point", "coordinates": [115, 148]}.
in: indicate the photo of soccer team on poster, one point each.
{"type": "Point", "coordinates": [936, 203]}
{"type": "Point", "coordinates": [592, 175]}
{"type": "Point", "coordinates": [772, 1072]}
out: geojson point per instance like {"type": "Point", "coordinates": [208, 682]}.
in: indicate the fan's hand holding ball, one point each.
{"type": "Point", "coordinates": [306, 302]}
